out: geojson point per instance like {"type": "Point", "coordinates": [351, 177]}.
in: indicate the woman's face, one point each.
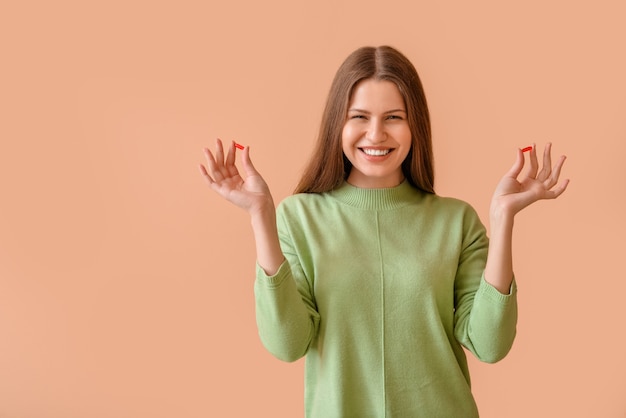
{"type": "Point", "coordinates": [376, 137]}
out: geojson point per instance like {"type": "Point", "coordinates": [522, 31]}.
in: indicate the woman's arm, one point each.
{"type": "Point", "coordinates": [286, 317]}
{"type": "Point", "coordinates": [269, 254]}
{"type": "Point", "coordinates": [510, 197]}
{"type": "Point", "coordinates": [251, 194]}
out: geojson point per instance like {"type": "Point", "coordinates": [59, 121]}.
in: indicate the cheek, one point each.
{"type": "Point", "coordinates": [347, 132]}
{"type": "Point", "coordinates": [347, 136]}
{"type": "Point", "coordinates": [404, 139]}
{"type": "Point", "coordinates": [404, 132]}
{"type": "Point", "coordinates": [405, 136]}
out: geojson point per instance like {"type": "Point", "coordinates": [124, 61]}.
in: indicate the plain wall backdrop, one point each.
{"type": "Point", "coordinates": [126, 285]}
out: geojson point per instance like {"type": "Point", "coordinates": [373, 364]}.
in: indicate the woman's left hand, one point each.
{"type": "Point", "coordinates": [513, 195]}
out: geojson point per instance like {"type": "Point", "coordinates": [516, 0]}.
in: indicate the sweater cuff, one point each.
{"type": "Point", "coordinates": [276, 279]}
{"type": "Point", "coordinates": [494, 294]}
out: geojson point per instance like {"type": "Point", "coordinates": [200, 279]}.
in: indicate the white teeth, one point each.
{"type": "Point", "coordinates": [376, 152]}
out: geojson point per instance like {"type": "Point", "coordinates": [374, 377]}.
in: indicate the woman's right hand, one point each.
{"type": "Point", "coordinates": [251, 194]}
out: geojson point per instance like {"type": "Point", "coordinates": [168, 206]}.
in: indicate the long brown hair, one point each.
{"type": "Point", "coordinates": [329, 167]}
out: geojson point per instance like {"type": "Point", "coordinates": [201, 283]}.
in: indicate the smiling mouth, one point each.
{"type": "Point", "coordinates": [376, 152]}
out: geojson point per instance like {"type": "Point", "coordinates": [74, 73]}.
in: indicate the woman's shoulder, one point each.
{"type": "Point", "coordinates": [453, 203]}
{"type": "Point", "coordinates": [452, 208]}
{"type": "Point", "coordinates": [303, 198]}
{"type": "Point", "coordinates": [300, 201]}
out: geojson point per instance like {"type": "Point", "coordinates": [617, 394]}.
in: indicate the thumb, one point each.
{"type": "Point", "coordinates": [248, 167]}
{"type": "Point", "coordinates": [517, 167]}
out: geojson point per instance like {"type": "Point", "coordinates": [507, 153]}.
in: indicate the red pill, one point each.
{"type": "Point", "coordinates": [239, 146]}
{"type": "Point", "coordinates": [527, 149]}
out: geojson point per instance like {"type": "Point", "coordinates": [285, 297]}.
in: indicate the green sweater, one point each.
{"type": "Point", "coordinates": [380, 290]}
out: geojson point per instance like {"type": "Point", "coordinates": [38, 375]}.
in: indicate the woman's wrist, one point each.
{"type": "Point", "coordinates": [500, 214]}
{"type": "Point", "coordinates": [269, 253]}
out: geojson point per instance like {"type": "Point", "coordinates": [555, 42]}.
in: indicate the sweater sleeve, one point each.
{"type": "Point", "coordinates": [485, 319]}
{"type": "Point", "coordinates": [286, 314]}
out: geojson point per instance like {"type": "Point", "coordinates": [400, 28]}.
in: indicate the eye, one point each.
{"type": "Point", "coordinates": [358, 117]}
{"type": "Point", "coordinates": [396, 117]}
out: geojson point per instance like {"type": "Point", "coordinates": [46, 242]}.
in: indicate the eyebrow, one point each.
{"type": "Point", "coordinates": [367, 112]}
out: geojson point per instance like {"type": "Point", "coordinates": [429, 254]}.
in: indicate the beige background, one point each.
{"type": "Point", "coordinates": [126, 286]}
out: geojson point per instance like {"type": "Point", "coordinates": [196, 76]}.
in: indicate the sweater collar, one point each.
{"type": "Point", "coordinates": [377, 199]}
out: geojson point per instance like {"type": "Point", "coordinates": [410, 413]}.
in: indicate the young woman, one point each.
{"type": "Point", "coordinates": [367, 272]}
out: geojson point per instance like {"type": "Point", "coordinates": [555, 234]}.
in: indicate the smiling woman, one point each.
{"type": "Point", "coordinates": [353, 88]}
{"type": "Point", "coordinates": [368, 273]}
{"type": "Point", "coordinates": [376, 137]}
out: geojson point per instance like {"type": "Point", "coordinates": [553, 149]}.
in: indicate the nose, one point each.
{"type": "Point", "coordinates": [376, 131]}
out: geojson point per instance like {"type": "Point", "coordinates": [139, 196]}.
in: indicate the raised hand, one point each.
{"type": "Point", "coordinates": [512, 195]}
{"type": "Point", "coordinates": [222, 176]}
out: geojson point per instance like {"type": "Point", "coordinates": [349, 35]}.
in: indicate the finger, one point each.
{"type": "Point", "coordinates": [230, 160]}
{"type": "Point", "coordinates": [546, 168]}
{"type": "Point", "coordinates": [248, 167]}
{"type": "Point", "coordinates": [230, 157]}
{"type": "Point", "coordinates": [556, 172]}
{"type": "Point", "coordinates": [517, 166]}
{"type": "Point", "coordinates": [206, 175]}
{"type": "Point", "coordinates": [534, 166]}
{"type": "Point", "coordinates": [553, 194]}
{"type": "Point", "coordinates": [213, 166]}
{"type": "Point", "coordinates": [219, 152]}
